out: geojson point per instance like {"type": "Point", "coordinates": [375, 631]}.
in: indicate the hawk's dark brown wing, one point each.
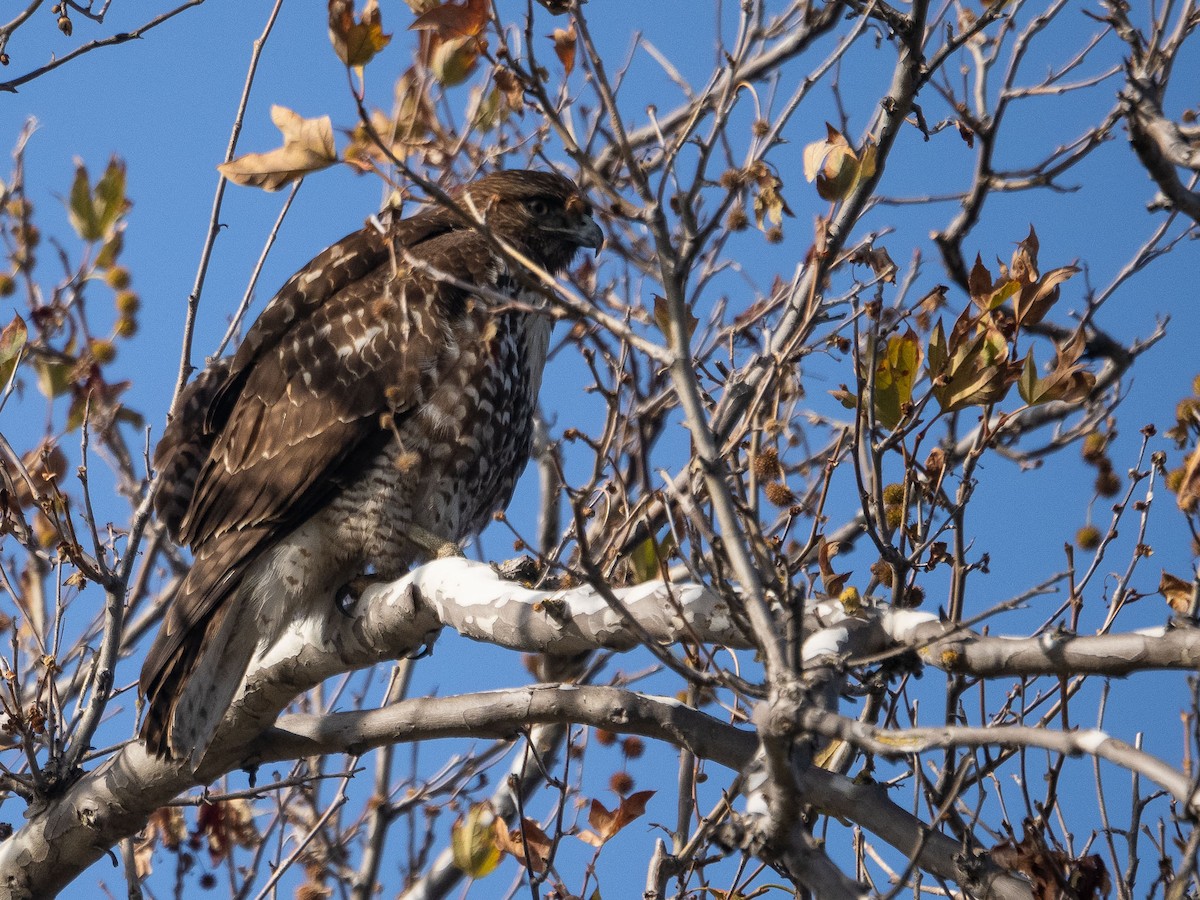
{"type": "Point", "coordinates": [274, 434]}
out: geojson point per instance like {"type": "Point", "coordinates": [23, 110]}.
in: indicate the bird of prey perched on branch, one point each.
{"type": "Point", "coordinates": [381, 405]}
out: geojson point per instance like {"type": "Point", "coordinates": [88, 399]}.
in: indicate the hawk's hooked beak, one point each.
{"type": "Point", "coordinates": [587, 233]}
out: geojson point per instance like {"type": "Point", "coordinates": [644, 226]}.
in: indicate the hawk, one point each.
{"type": "Point", "coordinates": [381, 406]}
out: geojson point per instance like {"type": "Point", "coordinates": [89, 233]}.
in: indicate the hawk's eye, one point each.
{"type": "Point", "coordinates": [538, 207]}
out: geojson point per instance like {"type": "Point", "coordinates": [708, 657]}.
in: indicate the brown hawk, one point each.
{"type": "Point", "coordinates": [378, 406]}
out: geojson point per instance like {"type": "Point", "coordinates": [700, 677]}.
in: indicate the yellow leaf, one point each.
{"type": "Point", "coordinates": [896, 371]}
{"type": "Point", "coordinates": [307, 147]}
{"type": "Point", "coordinates": [473, 842]}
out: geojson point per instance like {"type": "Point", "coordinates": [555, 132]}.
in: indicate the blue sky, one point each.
{"type": "Point", "coordinates": [165, 104]}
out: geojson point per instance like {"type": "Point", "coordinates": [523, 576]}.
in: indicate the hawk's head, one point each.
{"type": "Point", "coordinates": [542, 214]}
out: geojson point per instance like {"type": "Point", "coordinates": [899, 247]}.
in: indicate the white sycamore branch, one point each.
{"type": "Point", "coordinates": [64, 834]}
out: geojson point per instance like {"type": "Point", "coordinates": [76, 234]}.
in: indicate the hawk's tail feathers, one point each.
{"type": "Point", "coordinates": [199, 658]}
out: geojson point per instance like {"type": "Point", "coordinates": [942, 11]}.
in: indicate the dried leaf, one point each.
{"type": "Point", "coordinates": [307, 147]}
{"type": "Point", "coordinates": [834, 165]}
{"type": "Point", "coordinates": [662, 317]}
{"type": "Point", "coordinates": [1177, 592]}
{"type": "Point", "coordinates": [879, 261]}
{"type": "Point", "coordinates": [473, 841]}
{"type": "Point", "coordinates": [1036, 299]}
{"type": "Point", "coordinates": [356, 41]}
{"type": "Point", "coordinates": [971, 368]}
{"type": "Point", "coordinates": [979, 282]}
{"type": "Point", "coordinates": [449, 20]}
{"type": "Point", "coordinates": [529, 844]}
{"type": "Point", "coordinates": [608, 823]}
{"type": "Point", "coordinates": [1068, 380]}
{"type": "Point", "coordinates": [1024, 266]}
{"type": "Point", "coordinates": [226, 824]}
{"type": "Point", "coordinates": [1187, 498]}
{"type": "Point", "coordinates": [564, 46]}
{"type": "Point", "coordinates": [833, 582]}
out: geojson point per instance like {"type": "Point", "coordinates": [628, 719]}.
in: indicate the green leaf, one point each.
{"type": "Point", "coordinates": [94, 215]}
{"type": "Point", "coordinates": [110, 196]}
{"type": "Point", "coordinates": [12, 342]}
{"type": "Point", "coordinates": [54, 378]}
{"type": "Point", "coordinates": [80, 210]}
{"type": "Point", "coordinates": [645, 557]}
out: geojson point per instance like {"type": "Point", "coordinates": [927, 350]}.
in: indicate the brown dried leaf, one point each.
{"type": "Point", "coordinates": [307, 147]}
{"type": "Point", "coordinates": [879, 261]}
{"type": "Point", "coordinates": [450, 20]}
{"type": "Point", "coordinates": [662, 317]}
{"type": "Point", "coordinates": [1177, 592]}
{"type": "Point", "coordinates": [564, 46]}
{"type": "Point", "coordinates": [607, 823]}
{"type": "Point", "coordinates": [834, 165]}
{"type": "Point", "coordinates": [1068, 380]}
{"type": "Point", "coordinates": [1024, 267]}
{"type": "Point", "coordinates": [529, 844]}
{"type": "Point", "coordinates": [1036, 299]}
{"type": "Point", "coordinates": [1188, 495]}
{"type": "Point", "coordinates": [833, 582]}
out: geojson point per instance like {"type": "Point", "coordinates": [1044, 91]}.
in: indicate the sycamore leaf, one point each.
{"type": "Point", "coordinates": [473, 841]}
{"type": "Point", "coordinates": [971, 368]}
{"type": "Point", "coordinates": [450, 20]}
{"type": "Point", "coordinates": [662, 318]}
{"type": "Point", "coordinates": [1068, 380]}
{"type": "Point", "coordinates": [529, 845]}
{"type": "Point", "coordinates": [608, 822]}
{"type": "Point", "coordinates": [769, 204]}
{"type": "Point", "coordinates": [1177, 592]}
{"type": "Point", "coordinates": [12, 342]}
{"type": "Point", "coordinates": [878, 259]}
{"type": "Point", "coordinates": [1024, 266]}
{"type": "Point", "coordinates": [896, 371]}
{"type": "Point", "coordinates": [94, 214]}
{"type": "Point", "coordinates": [307, 147]}
{"type": "Point", "coordinates": [53, 378]}
{"type": "Point", "coordinates": [1036, 299]}
{"type": "Point", "coordinates": [845, 396]}
{"type": "Point", "coordinates": [1187, 498]}
{"type": "Point", "coordinates": [564, 46]}
{"type": "Point", "coordinates": [644, 558]}
{"type": "Point", "coordinates": [979, 282]}
{"type": "Point", "coordinates": [454, 60]}
{"type": "Point", "coordinates": [833, 583]}
{"type": "Point", "coordinates": [834, 165]}
{"type": "Point", "coordinates": [356, 41]}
